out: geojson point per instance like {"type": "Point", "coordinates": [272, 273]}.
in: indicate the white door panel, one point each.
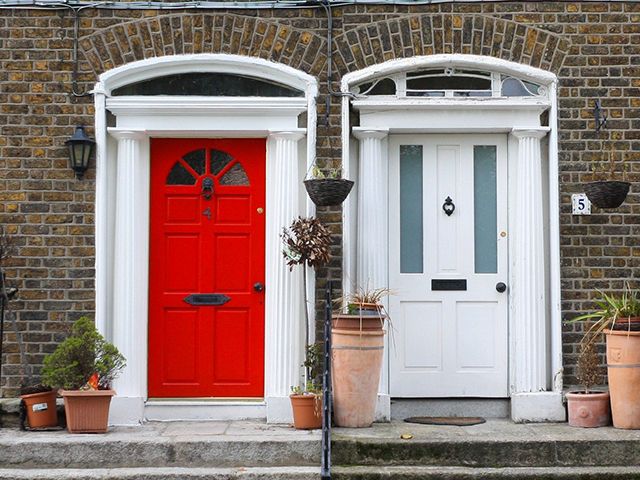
{"type": "Point", "coordinates": [450, 342]}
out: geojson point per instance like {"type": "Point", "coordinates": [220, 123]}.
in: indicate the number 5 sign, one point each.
{"type": "Point", "coordinates": [581, 204]}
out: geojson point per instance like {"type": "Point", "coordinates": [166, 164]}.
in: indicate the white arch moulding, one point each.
{"type": "Point", "coordinates": [122, 178]}
{"type": "Point", "coordinates": [517, 116]}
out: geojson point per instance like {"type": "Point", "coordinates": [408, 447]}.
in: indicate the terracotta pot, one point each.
{"type": "Point", "coordinates": [307, 411]}
{"type": "Point", "coordinates": [357, 361]}
{"type": "Point", "coordinates": [627, 324]}
{"type": "Point", "coordinates": [41, 409]}
{"type": "Point", "coordinates": [589, 409]}
{"type": "Point", "coordinates": [87, 410]}
{"type": "Point", "coordinates": [357, 322]}
{"type": "Point", "coordinates": [623, 368]}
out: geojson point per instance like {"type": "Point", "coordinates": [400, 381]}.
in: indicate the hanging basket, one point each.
{"type": "Point", "coordinates": [327, 192]}
{"type": "Point", "coordinates": [607, 194]}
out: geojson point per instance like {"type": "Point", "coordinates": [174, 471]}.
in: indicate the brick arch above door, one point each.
{"type": "Point", "coordinates": [430, 34]}
{"type": "Point", "coordinates": [185, 33]}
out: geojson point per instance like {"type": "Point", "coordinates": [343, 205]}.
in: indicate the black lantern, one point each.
{"type": "Point", "coordinates": [80, 149]}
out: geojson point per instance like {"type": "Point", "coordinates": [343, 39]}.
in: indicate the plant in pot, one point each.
{"type": "Point", "coordinates": [357, 349]}
{"type": "Point", "coordinates": [83, 366]}
{"type": "Point", "coordinates": [588, 407]}
{"type": "Point", "coordinates": [327, 190]}
{"type": "Point", "coordinates": [307, 242]}
{"type": "Point", "coordinates": [618, 318]}
{"type": "Point", "coordinates": [608, 188]}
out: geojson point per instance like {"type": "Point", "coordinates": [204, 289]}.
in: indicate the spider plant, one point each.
{"type": "Point", "coordinates": [610, 309]}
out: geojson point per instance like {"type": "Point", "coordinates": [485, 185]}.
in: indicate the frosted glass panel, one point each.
{"type": "Point", "coordinates": [411, 232]}
{"type": "Point", "coordinates": [485, 206]}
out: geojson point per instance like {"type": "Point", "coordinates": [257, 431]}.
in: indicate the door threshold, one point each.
{"type": "Point", "coordinates": [206, 401]}
{"type": "Point", "coordinates": [204, 409]}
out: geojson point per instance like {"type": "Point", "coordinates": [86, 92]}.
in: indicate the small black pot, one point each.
{"type": "Point", "coordinates": [326, 192]}
{"type": "Point", "coordinates": [609, 194]}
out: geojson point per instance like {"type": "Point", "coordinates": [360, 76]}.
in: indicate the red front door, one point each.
{"type": "Point", "coordinates": [206, 305]}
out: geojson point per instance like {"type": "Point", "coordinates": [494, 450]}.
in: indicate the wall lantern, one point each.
{"type": "Point", "coordinates": [80, 150]}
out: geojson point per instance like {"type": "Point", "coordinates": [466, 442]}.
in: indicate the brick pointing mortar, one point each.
{"type": "Point", "coordinates": [594, 48]}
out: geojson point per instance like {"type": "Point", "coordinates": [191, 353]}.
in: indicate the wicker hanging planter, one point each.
{"type": "Point", "coordinates": [327, 192]}
{"type": "Point", "coordinates": [610, 194]}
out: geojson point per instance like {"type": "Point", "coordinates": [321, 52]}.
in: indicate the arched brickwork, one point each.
{"type": "Point", "coordinates": [204, 33]}
{"type": "Point", "coordinates": [429, 34]}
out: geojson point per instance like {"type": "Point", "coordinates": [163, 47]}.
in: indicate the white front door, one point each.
{"type": "Point", "coordinates": [447, 259]}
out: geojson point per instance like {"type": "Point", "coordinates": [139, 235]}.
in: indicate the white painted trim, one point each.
{"type": "Point", "coordinates": [491, 111]}
{"type": "Point", "coordinates": [477, 62]}
{"type": "Point", "coordinates": [205, 106]}
{"type": "Point", "coordinates": [208, 62]}
{"type": "Point", "coordinates": [144, 117]}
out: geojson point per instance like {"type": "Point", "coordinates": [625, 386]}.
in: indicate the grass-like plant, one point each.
{"type": "Point", "coordinates": [84, 355]}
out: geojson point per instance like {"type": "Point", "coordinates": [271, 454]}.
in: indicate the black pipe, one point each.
{"type": "Point", "coordinates": [325, 467]}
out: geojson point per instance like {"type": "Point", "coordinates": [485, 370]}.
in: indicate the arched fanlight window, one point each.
{"type": "Point", "coordinates": [208, 84]}
{"type": "Point", "coordinates": [450, 83]}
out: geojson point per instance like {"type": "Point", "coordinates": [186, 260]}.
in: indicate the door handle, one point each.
{"type": "Point", "coordinates": [258, 287]}
{"type": "Point", "coordinates": [501, 287]}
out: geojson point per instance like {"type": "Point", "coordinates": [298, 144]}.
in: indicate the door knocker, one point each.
{"type": "Point", "coordinates": [207, 188]}
{"type": "Point", "coordinates": [448, 206]}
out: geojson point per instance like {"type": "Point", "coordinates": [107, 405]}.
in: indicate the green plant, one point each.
{"type": "Point", "coordinates": [610, 309]}
{"type": "Point", "coordinates": [332, 173]}
{"type": "Point", "coordinates": [80, 358]}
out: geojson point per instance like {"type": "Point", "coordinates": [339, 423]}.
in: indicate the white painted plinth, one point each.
{"type": "Point", "coordinates": [383, 408]}
{"type": "Point", "coordinates": [126, 410]}
{"type": "Point", "coordinates": [279, 410]}
{"type": "Point", "coordinates": [535, 407]}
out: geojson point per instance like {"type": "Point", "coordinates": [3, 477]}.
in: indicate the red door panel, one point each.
{"type": "Point", "coordinates": [207, 236]}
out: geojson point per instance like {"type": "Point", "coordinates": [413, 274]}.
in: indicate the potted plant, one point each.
{"type": "Point", "coordinates": [588, 408]}
{"type": "Point", "coordinates": [357, 349]}
{"type": "Point", "coordinates": [606, 190]}
{"type": "Point", "coordinates": [327, 190]}
{"type": "Point", "coordinates": [39, 406]}
{"type": "Point", "coordinates": [307, 242]}
{"type": "Point", "coordinates": [618, 318]}
{"type": "Point", "coordinates": [83, 367]}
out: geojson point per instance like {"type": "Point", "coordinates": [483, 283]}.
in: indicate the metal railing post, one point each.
{"type": "Point", "coordinates": [325, 468]}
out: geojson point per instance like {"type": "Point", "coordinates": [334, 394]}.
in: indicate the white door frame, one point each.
{"type": "Point", "coordinates": [122, 218]}
{"type": "Point", "coordinates": [535, 344]}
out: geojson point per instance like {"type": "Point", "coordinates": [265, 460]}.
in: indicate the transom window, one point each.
{"type": "Point", "coordinates": [450, 83]}
{"type": "Point", "coordinates": [214, 164]}
{"type": "Point", "coordinates": [208, 84]}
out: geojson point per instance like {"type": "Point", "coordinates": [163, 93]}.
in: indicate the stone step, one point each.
{"type": "Point", "coordinates": [496, 443]}
{"type": "Point", "coordinates": [469, 473]}
{"type": "Point", "coordinates": [158, 444]}
{"type": "Point", "coordinates": [164, 473]}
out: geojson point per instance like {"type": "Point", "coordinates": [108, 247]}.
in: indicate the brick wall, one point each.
{"type": "Point", "coordinates": [593, 47]}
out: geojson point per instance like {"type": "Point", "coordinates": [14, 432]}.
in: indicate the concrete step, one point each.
{"type": "Point", "coordinates": [186, 473]}
{"type": "Point", "coordinates": [402, 408]}
{"type": "Point", "coordinates": [495, 444]}
{"type": "Point", "coordinates": [184, 444]}
{"type": "Point", "coordinates": [467, 473]}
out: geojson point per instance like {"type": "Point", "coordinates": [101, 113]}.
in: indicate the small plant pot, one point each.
{"type": "Point", "coordinates": [327, 192]}
{"type": "Point", "coordinates": [609, 194]}
{"type": "Point", "coordinates": [307, 411]}
{"type": "Point", "coordinates": [589, 410]}
{"type": "Point", "coordinates": [87, 411]}
{"type": "Point", "coordinates": [41, 409]}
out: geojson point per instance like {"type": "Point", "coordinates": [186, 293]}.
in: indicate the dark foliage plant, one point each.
{"type": "Point", "coordinates": [84, 354]}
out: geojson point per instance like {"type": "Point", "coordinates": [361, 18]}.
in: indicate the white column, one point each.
{"type": "Point", "coordinates": [284, 315]}
{"type": "Point", "coordinates": [130, 292]}
{"type": "Point", "coordinates": [530, 399]}
{"type": "Point", "coordinates": [372, 250]}
{"type": "Point", "coordinates": [372, 246]}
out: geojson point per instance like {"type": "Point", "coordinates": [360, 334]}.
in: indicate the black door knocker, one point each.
{"type": "Point", "coordinates": [448, 206]}
{"type": "Point", "coordinates": [207, 188]}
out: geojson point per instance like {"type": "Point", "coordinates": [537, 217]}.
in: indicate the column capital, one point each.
{"type": "Point", "coordinates": [363, 133]}
{"type": "Point", "coordinates": [293, 135]}
{"type": "Point", "coordinates": [530, 132]}
{"type": "Point", "coordinates": [127, 133]}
